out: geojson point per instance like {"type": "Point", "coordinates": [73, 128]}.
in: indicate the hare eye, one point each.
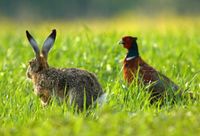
{"type": "Point", "coordinates": [42, 83]}
{"type": "Point", "coordinates": [41, 95]}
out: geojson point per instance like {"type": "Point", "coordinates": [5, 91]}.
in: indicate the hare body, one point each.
{"type": "Point", "coordinates": [71, 83]}
{"type": "Point", "coordinates": [78, 87]}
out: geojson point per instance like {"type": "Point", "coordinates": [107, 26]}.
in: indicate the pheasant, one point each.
{"type": "Point", "coordinates": [135, 67]}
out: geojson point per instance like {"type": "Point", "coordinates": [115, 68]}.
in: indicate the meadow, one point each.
{"type": "Point", "coordinates": [170, 44]}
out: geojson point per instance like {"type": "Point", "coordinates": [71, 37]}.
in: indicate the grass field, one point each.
{"type": "Point", "coordinates": [171, 45]}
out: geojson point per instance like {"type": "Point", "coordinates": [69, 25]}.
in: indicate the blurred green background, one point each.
{"type": "Point", "coordinates": [75, 9]}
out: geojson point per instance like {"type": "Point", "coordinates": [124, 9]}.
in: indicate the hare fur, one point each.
{"type": "Point", "coordinates": [76, 86]}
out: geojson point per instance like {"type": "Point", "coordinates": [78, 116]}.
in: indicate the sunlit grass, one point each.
{"type": "Point", "coordinates": [171, 45]}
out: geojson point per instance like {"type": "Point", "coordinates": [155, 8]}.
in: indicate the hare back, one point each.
{"type": "Point", "coordinates": [70, 81]}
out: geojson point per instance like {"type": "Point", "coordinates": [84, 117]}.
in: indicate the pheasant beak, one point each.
{"type": "Point", "coordinates": [121, 42]}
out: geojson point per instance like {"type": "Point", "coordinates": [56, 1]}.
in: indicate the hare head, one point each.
{"type": "Point", "coordinates": [39, 63]}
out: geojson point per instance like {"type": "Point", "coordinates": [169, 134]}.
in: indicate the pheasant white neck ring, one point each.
{"type": "Point", "coordinates": [130, 58]}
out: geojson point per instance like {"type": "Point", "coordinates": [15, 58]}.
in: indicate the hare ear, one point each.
{"type": "Point", "coordinates": [48, 43]}
{"type": "Point", "coordinates": [33, 44]}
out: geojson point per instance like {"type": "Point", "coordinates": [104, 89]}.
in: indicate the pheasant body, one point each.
{"type": "Point", "coordinates": [135, 67]}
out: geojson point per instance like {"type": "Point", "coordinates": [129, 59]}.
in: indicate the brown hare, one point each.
{"type": "Point", "coordinates": [75, 86]}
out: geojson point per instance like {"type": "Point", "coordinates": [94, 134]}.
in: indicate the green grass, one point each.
{"type": "Point", "coordinates": [170, 45]}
